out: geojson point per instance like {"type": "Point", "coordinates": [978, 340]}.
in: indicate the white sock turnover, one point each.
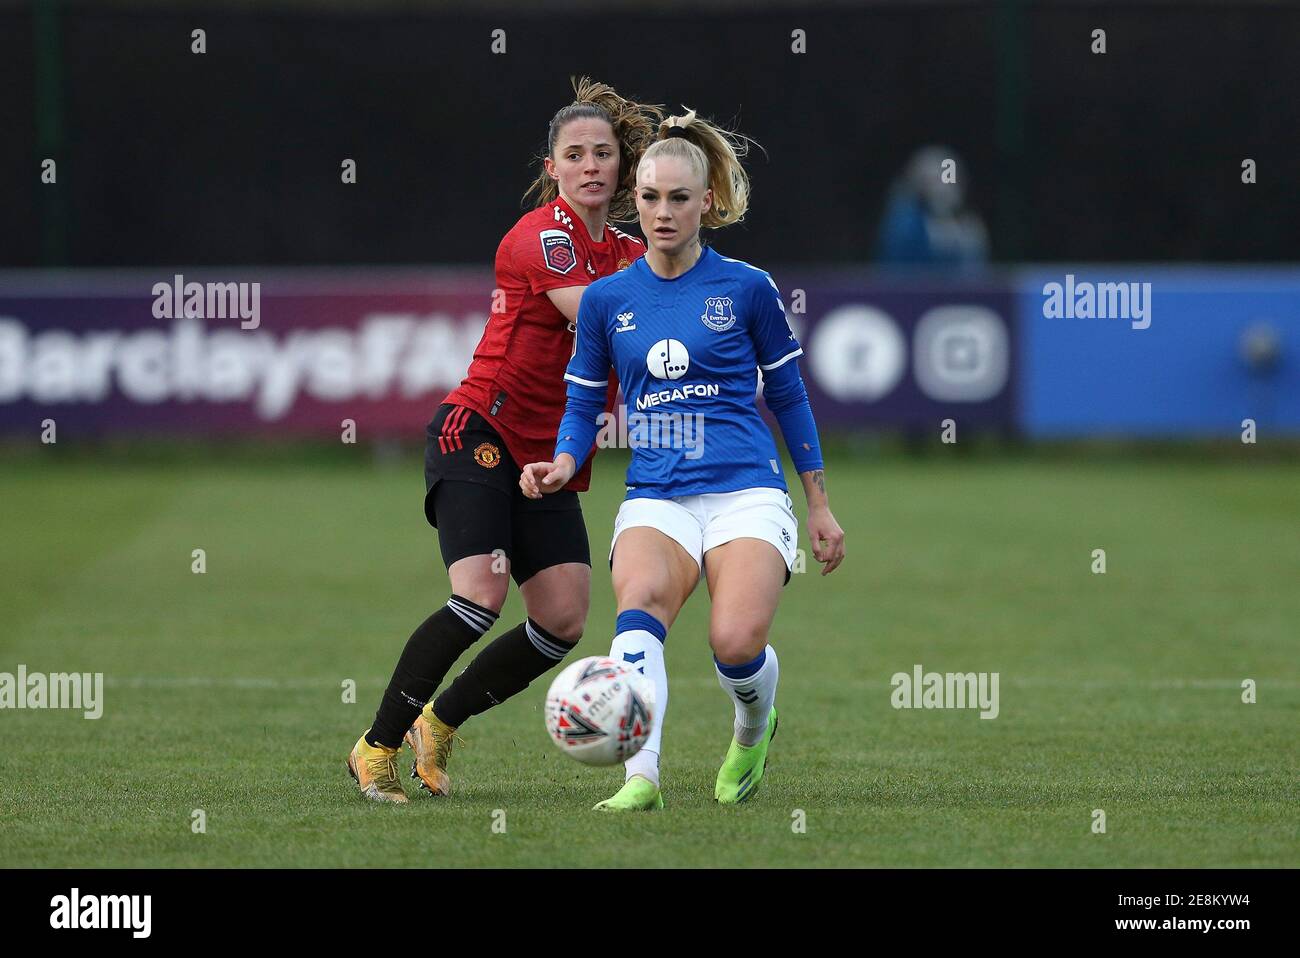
{"type": "Point", "coordinates": [640, 644]}
{"type": "Point", "coordinates": [752, 687]}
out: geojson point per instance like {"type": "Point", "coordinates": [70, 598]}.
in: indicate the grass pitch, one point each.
{"type": "Point", "coordinates": [224, 691]}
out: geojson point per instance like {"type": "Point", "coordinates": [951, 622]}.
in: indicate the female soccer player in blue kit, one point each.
{"type": "Point", "coordinates": [686, 330]}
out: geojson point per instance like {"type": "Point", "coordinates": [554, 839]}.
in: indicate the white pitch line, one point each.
{"type": "Point", "coordinates": [228, 682]}
{"type": "Point", "coordinates": [274, 684]}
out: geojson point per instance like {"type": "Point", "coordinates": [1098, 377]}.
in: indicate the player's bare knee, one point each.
{"type": "Point", "coordinates": [632, 592]}
{"type": "Point", "coordinates": [736, 644]}
{"type": "Point", "coordinates": [488, 598]}
{"type": "Point", "coordinates": [564, 621]}
{"type": "Point", "coordinates": [487, 592]}
{"type": "Point", "coordinates": [572, 636]}
{"type": "Point", "coordinates": [648, 597]}
{"type": "Point", "coordinates": [479, 579]}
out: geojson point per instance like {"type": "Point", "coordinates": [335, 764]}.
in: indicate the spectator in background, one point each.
{"type": "Point", "coordinates": [926, 222]}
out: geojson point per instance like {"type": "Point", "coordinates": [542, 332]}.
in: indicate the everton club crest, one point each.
{"type": "Point", "coordinates": [718, 314]}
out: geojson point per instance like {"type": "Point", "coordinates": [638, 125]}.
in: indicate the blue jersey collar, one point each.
{"type": "Point", "coordinates": [706, 253]}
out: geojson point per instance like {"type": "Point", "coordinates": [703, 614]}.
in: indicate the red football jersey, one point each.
{"type": "Point", "coordinates": [516, 380]}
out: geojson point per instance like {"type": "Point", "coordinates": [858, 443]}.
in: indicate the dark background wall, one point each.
{"type": "Point", "coordinates": [234, 157]}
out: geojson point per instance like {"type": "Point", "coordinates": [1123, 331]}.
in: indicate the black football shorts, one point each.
{"type": "Point", "coordinates": [472, 498]}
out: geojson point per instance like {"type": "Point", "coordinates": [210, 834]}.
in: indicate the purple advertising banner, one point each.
{"type": "Point", "coordinates": [221, 352]}
{"type": "Point", "coordinates": [908, 352]}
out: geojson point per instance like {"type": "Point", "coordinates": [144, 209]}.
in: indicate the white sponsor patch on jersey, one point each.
{"type": "Point", "coordinates": [668, 359]}
{"type": "Point", "coordinates": [689, 391]}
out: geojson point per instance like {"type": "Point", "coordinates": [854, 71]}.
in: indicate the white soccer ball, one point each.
{"type": "Point", "coordinates": [599, 711]}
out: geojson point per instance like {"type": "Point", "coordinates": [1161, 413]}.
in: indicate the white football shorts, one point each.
{"type": "Point", "coordinates": [700, 523]}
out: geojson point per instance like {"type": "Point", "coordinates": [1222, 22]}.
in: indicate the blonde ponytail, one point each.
{"type": "Point", "coordinates": [714, 153]}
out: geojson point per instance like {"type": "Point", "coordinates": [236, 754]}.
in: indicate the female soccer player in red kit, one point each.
{"type": "Point", "coordinates": [506, 412]}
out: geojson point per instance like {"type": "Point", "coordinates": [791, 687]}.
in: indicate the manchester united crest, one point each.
{"type": "Point", "coordinates": [487, 455]}
{"type": "Point", "coordinates": [623, 263]}
{"type": "Point", "coordinates": [718, 314]}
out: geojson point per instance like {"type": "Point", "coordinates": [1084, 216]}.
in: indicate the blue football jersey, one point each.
{"type": "Point", "coordinates": [687, 352]}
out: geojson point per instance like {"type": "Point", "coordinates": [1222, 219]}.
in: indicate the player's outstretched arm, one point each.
{"type": "Point", "coordinates": [542, 478]}
{"type": "Point", "coordinates": [823, 531]}
{"type": "Point", "coordinates": [588, 378]}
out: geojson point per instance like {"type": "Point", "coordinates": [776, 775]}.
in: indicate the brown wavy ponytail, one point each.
{"type": "Point", "coordinates": [634, 129]}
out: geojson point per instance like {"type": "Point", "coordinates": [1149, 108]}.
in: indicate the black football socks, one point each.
{"type": "Point", "coordinates": [431, 650]}
{"type": "Point", "coordinates": [501, 670]}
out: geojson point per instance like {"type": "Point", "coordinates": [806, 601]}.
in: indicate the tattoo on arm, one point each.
{"type": "Point", "coordinates": [819, 477]}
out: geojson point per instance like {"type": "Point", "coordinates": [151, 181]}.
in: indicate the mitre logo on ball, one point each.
{"type": "Point", "coordinates": [600, 711]}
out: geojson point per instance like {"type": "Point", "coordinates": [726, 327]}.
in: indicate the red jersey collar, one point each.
{"type": "Point", "coordinates": [578, 224]}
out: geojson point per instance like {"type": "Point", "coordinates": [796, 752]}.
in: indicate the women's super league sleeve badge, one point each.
{"type": "Point", "coordinates": [718, 314]}
{"type": "Point", "coordinates": [557, 250]}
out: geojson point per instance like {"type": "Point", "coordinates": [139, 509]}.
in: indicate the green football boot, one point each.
{"type": "Point", "coordinates": [743, 767]}
{"type": "Point", "coordinates": [638, 794]}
